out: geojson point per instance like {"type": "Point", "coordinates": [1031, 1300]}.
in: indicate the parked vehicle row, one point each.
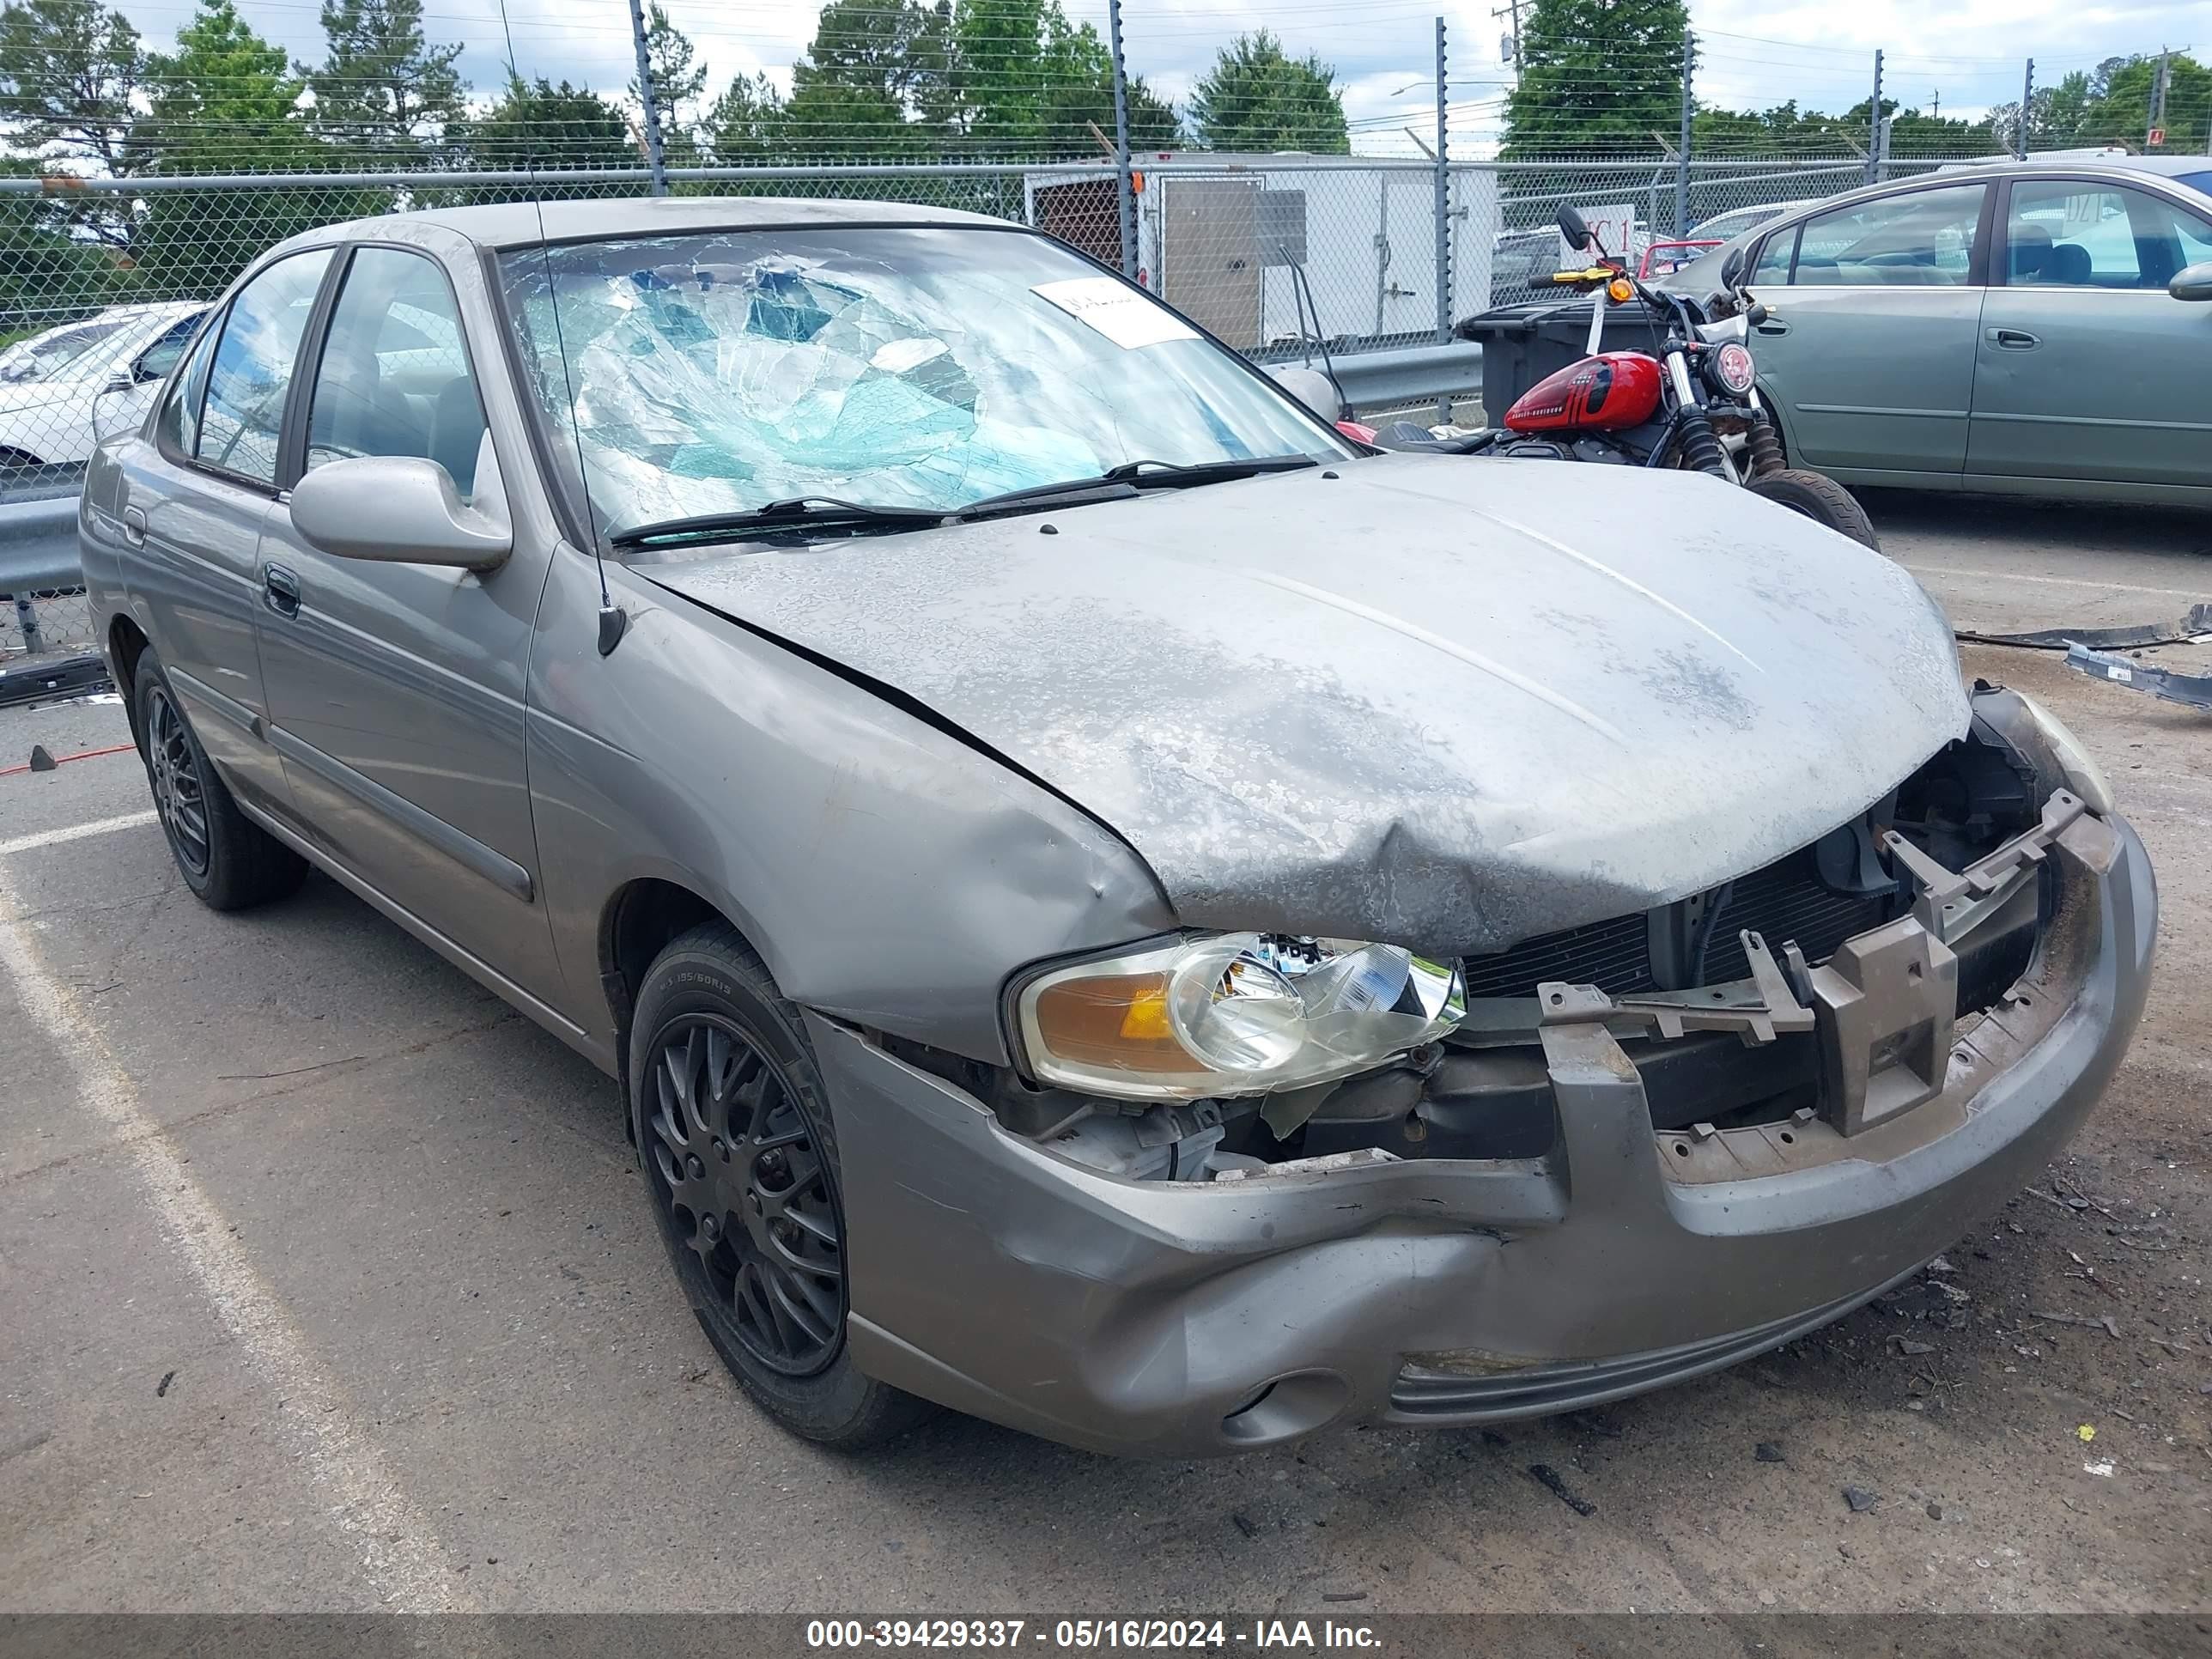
{"type": "Point", "coordinates": [1111, 907]}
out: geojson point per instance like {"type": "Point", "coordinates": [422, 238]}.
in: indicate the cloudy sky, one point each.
{"type": "Point", "coordinates": [1960, 54]}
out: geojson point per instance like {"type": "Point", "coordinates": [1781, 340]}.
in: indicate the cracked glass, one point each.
{"type": "Point", "coordinates": [915, 366]}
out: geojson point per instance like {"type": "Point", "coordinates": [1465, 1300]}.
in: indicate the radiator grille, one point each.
{"type": "Point", "coordinates": [1614, 955]}
{"type": "Point", "coordinates": [1784, 900]}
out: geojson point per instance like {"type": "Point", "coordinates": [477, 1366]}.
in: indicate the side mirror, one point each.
{"type": "Point", "coordinates": [119, 379]}
{"type": "Point", "coordinates": [1732, 267]}
{"type": "Point", "coordinates": [397, 509]}
{"type": "Point", "coordinates": [1574, 228]}
{"type": "Point", "coordinates": [2192, 281]}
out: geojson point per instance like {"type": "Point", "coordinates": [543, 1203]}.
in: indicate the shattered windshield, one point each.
{"type": "Point", "coordinates": [900, 367]}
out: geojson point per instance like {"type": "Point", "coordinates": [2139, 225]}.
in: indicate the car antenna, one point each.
{"type": "Point", "coordinates": [613, 619]}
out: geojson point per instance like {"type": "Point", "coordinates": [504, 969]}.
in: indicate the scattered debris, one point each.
{"type": "Point", "coordinates": [2104, 1322]}
{"type": "Point", "coordinates": [1861, 1499]}
{"type": "Point", "coordinates": [2168, 684]}
{"type": "Point", "coordinates": [1767, 1452]}
{"type": "Point", "coordinates": [1905, 1345]}
{"type": "Point", "coordinates": [42, 758]}
{"type": "Point", "coordinates": [2180, 631]}
{"type": "Point", "coordinates": [1344, 1596]}
{"type": "Point", "coordinates": [1244, 1523]}
{"type": "Point", "coordinates": [1935, 1511]}
{"type": "Point", "coordinates": [2104, 1468]}
{"type": "Point", "coordinates": [1941, 1264]}
{"type": "Point", "coordinates": [162, 1388]}
{"type": "Point", "coordinates": [1493, 1438]}
{"type": "Point", "coordinates": [2086, 1433]}
{"type": "Point", "coordinates": [1548, 1478]}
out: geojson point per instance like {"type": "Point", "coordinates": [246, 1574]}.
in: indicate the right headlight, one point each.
{"type": "Point", "coordinates": [1233, 1014]}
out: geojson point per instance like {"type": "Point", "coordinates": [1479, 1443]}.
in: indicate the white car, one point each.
{"type": "Point", "coordinates": [53, 385]}
{"type": "Point", "coordinates": [1726, 227]}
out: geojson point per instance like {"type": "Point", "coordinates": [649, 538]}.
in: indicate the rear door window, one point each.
{"type": "Point", "coordinates": [1923, 239]}
{"type": "Point", "coordinates": [2071, 232]}
{"type": "Point", "coordinates": [243, 417]}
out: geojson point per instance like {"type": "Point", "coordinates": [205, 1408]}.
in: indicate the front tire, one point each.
{"type": "Point", "coordinates": [1819, 498]}
{"type": "Point", "coordinates": [735, 1129]}
{"type": "Point", "coordinates": [227, 860]}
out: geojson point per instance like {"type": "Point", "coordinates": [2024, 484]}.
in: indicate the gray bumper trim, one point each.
{"type": "Point", "coordinates": [1139, 1317]}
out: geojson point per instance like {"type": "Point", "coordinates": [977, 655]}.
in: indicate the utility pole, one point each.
{"type": "Point", "coordinates": [2027, 106]}
{"type": "Point", "coordinates": [1682, 157]}
{"type": "Point", "coordinates": [1443, 212]}
{"type": "Point", "coordinates": [1936, 109]}
{"type": "Point", "coordinates": [656, 158]}
{"type": "Point", "coordinates": [1874, 125]}
{"type": "Point", "coordinates": [2155, 138]}
{"type": "Point", "coordinates": [1512, 8]}
{"type": "Point", "coordinates": [1125, 191]}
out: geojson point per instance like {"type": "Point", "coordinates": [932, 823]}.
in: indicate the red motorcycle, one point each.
{"type": "Point", "coordinates": [1692, 403]}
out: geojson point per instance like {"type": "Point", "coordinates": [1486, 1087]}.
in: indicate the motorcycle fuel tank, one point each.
{"type": "Point", "coordinates": [1608, 393]}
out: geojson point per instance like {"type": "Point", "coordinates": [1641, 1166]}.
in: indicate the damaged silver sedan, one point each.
{"type": "Point", "coordinates": [1112, 909]}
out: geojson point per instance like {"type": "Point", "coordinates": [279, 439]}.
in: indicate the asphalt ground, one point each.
{"type": "Point", "coordinates": [327, 1283]}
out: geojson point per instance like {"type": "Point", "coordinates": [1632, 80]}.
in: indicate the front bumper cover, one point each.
{"type": "Point", "coordinates": [1176, 1319]}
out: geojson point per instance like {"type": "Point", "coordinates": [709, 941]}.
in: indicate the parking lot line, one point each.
{"type": "Point", "coordinates": [2048, 581]}
{"type": "Point", "coordinates": [400, 1552]}
{"type": "Point", "coordinates": [74, 832]}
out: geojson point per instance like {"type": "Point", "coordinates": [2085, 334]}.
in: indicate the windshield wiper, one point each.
{"type": "Point", "coordinates": [1144, 475]}
{"type": "Point", "coordinates": [807, 512]}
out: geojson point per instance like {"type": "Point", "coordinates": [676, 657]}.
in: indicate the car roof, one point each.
{"type": "Point", "coordinates": [520, 224]}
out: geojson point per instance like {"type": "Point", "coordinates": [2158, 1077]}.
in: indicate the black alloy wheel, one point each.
{"type": "Point", "coordinates": [737, 1164]}
{"type": "Point", "coordinates": [181, 798]}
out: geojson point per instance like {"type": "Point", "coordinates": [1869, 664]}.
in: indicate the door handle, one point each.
{"type": "Point", "coordinates": [134, 526]}
{"type": "Point", "coordinates": [1773, 325]}
{"type": "Point", "coordinates": [280, 590]}
{"type": "Point", "coordinates": [2012, 339]}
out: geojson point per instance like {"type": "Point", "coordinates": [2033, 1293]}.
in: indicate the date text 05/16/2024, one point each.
{"type": "Point", "coordinates": [1291, 1635]}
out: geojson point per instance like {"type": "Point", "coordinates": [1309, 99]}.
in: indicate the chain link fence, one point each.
{"type": "Point", "coordinates": [103, 282]}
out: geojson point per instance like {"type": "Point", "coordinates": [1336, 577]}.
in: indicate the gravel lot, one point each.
{"type": "Point", "coordinates": [327, 1284]}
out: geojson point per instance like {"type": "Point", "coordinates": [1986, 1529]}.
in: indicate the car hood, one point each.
{"type": "Point", "coordinates": [1440, 703]}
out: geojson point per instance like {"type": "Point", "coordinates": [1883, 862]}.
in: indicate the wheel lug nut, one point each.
{"type": "Point", "coordinates": [754, 1199]}
{"type": "Point", "coordinates": [693, 1167]}
{"type": "Point", "coordinates": [712, 1228]}
{"type": "Point", "coordinates": [721, 1151]}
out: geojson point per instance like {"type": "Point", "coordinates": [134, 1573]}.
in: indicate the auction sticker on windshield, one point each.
{"type": "Point", "coordinates": [1121, 314]}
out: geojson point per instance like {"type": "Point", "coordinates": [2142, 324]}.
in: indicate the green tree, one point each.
{"type": "Point", "coordinates": [1596, 77]}
{"type": "Point", "coordinates": [69, 70]}
{"type": "Point", "coordinates": [224, 101]}
{"type": "Point", "coordinates": [381, 91]}
{"type": "Point", "coordinates": [745, 124]}
{"type": "Point", "coordinates": [537, 124]}
{"type": "Point", "coordinates": [1256, 97]}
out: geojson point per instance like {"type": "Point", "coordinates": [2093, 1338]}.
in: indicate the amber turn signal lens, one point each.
{"type": "Point", "coordinates": [1119, 1022]}
{"type": "Point", "coordinates": [1620, 290]}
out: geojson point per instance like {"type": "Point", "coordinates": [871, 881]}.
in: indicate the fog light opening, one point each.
{"type": "Point", "coordinates": [1287, 1407]}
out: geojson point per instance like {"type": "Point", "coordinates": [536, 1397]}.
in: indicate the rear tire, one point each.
{"type": "Point", "coordinates": [227, 860]}
{"type": "Point", "coordinates": [733, 1127]}
{"type": "Point", "coordinates": [1820, 498]}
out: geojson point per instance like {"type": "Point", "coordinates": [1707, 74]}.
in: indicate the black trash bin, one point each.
{"type": "Point", "coordinates": [1521, 344]}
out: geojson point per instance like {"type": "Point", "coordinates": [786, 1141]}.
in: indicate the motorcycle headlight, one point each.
{"type": "Point", "coordinates": [1734, 371]}
{"type": "Point", "coordinates": [2082, 774]}
{"type": "Point", "coordinates": [1233, 1014]}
